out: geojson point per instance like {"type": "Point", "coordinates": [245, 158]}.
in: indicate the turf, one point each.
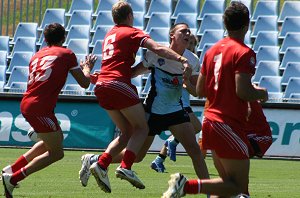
{"type": "Point", "coordinates": [268, 178]}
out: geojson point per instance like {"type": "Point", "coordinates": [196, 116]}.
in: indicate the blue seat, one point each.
{"type": "Point", "coordinates": [267, 53]}
{"type": "Point", "coordinates": [3, 58]}
{"type": "Point", "coordinates": [185, 6]}
{"type": "Point", "coordinates": [78, 32]}
{"type": "Point", "coordinates": [160, 6]}
{"type": "Point", "coordinates": [293, 87]}
{"type": "Point", "coordinates": [25, 30]}
{"type": "Point", "coordinates": [289, 9]}
{"type": "Point", "coordinates": [24, 44]}
{"type": "Point", "coordinates": [97, 50]}
{"type": "Point", "coordinates": [291, 39]}
{"type": "Point", "coordinates": [104, 18]}
{"type": "Point", "coordinates": [18, 87]}
{"type": "Point", "coordinates": [202, 53]}
{"type": "Point", "coordinates": [79, 46]}
{"type": "Point", "coordinates": [138, 5]}
{"type": "Point", "coordinates": [104, 5]}
{"type": "Point", "coordinates": [80, 17]}
{"type": "Point", "coordinates": [158, 20]}
{"type": "Point", "coordinates": [188, 18]}
{"type": "Point", "coordinates": [211, 21]}
{"type": "Point", "coordinates": [294, 97]}
{"type": "Point", "coordinates": [265, 8]}
{"type": "Point", "coordinates": [275, 97]}
{"type": "Point", "coordinates": [271, 83]}
{"type": "Point", "coordinates": [292, 70]}
{"type": "Point", "coordinates": [266, 68]}
{"type": "Point", "coordinates": [290, 24]}
{"type": "Point", "coordinates": [211, 7]}
{"type": "Point", "coordinates": [160, 35]}
{"type": "Point", "coordinates": [292, 54]}
{"type": "Point", "coordinates": [19, 59]}
{"type": "Point", "coordinates": [87, 5]}
{"type": "Point", "coordinates": [138, 21]}
{"type": "Point", "coordinates": [4, 43]}
{"type": "Point", "coordinates": [99, 34]}
{"type": "Point", "coordinates": [43, 44]}
{"type": "Point", "coordinates": [98, 63]}
{"type": "Point", "coordinates": [2, 77]}
{"type": "Point", "coordinates": [53, 15]}
{"type": "Point", "coordinates": [18, 74]}
{"type": "Point", "coordinates": [264, 23]}
{"type": "Point", "coordinates": [247, 39]}
{"type": "Point", "coordinates": [265, 38]}
{"type": "Point", "coordinates": [210, 37]}
{"type": "Point", "coordinates": [73, 89]}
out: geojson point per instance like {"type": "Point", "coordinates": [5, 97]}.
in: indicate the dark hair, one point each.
{"type": "Point", "coordinates": [54, 33]}
{"type": "Point", "coordinates": [236, 16]}
{"type": "Point", "coordinates": [174, 27]}
{"type": "Point", "coordinates": [120, 11]}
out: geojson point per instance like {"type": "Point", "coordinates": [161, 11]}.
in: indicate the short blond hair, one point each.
{"type": "Point", "coordinates": [120, 11]}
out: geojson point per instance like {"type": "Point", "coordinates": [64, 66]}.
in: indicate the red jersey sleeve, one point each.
{"type": "Point", "coordinates": [245, 63]}
{"type": "Point", "coordinates": [140, 37]}
{"type": "Point", "coordinates": [71, 60]}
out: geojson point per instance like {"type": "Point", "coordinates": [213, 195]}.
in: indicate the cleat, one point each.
{"type": "Point", "coordinates": [158, 167]}
{"type": "Point", "coordinates": [8, 170]}
{"type": "Point", "coordinates": [130, 176]}
{"type": "Point", "coordinates": [101, 177]}
{"type": "Point", "coordinates": [243, 196]}
{"type": "Point", "coordinates": [171, 146]}
{"type": "Point", "coordinates": [84, 173]}
{"type": "Point", "coordinates": [176, 186]}
{"type": "Point", "coordinates": [8, 187]}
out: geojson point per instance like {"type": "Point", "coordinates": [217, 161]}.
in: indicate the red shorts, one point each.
{"type": "Point", "coordinates": [116, 95]}
{"type": "Point", "coordinates": [259, 144]}
{"type": "Point", "coordinates": [226, 142]}
{"type": "Point", "coordinates": [43, 124]}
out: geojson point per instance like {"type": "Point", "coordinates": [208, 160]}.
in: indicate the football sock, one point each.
{"type": "Point", "coordinates": [128, 159]}
{"type": "Point", "coordinates": [160, 159]}
{"type": "Point", "coordinates": [18, 176]}
{"type": "Point", "coordinates": [94, 159]}
{"type": "Point", "coordinates": [104, 160]}
{"type": "Point", "coordinates": [193, 186]}
{"type": "Point", "coordinates": [175, 141]}
{"type": "Point", "coordinates": [20, 163]}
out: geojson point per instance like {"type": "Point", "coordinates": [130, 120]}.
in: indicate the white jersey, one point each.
{"type": "Point", "coordinates": [195, 65]}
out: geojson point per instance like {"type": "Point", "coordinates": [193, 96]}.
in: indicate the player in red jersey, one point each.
{"type": "Point", "coordinates": [119, 97]}
{"type": "Point", "coordinates": [48, 71]}
{"type": "Point", "coordinates": [225, 80]}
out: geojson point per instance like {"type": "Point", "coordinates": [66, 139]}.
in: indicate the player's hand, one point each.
{"type": "Point", "coordinates": [90, 60]}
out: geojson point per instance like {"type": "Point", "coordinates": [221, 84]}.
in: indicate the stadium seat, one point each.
{"type": "Point", "coordinates": [160, 35]}
{"type": "Point", "coordinates": [291, 39]}
{"type": "Point", "coordinates": [188, 18]}
{"type": "Point", "coordinates": [271, 83]}
{"type": "Point", "coordinates": [78, 32]}
{"type": "Point", "coordinates": [264, 23]}
{"type": "Point", "coordinates": [293, 86]}
{"type": "Point", "coordinates": [211, 7]}
{"type": "Point", "coordinates": [2, 77]}
{"type": "Point", "coordinates": [18, 74]}
{"type": "Point", "coordinates": [18, 87]}
{"type": "Point", "coordinates": [104, 5]}
{"type": "Point", "coordinates": [292, 54]}
{"type": "Point", "coordinates": [267, 53]}
{"type": "Point", "coordinates": [3, 58]}
{"type": "Point", "coordinates": [292, 70]}
{"type": "Point", "coordinates": [247, 39]}
{"type": "Point", "coordinates": [186, 6]}
{"type": "Point", "coordinates": [80, 17]}
{"type": "Point", "coordinates": [275, 97]}
{"type": "Point", "coordinates": [97, 50]}
{"type": "Point", "coordinates": [43, 44]}
{"type": "Point", "coordinates": [289, 9]}
{"type": "Point", "coordinates": [159, 6]}
{"type": "Point", "coordinates": [202, 53]}
{"type": "Point", "coordinates": [158, 20]}
{"type": "Point", "coordinates": [19, 59]}
{"type": "Point", "coordinates": [265, 8]}
{"type": "Point", "coordinates": [104, 18]}
{"type": "Point", "coordinates": [53, 15]}
{"type": "Point", "coordinates": [99, 34]}
{"type": "Point", "coordinates": [266, 68]}
{"type": "Point", "coordinates": [76, 5]}
{"type": "Point", "coordinates": [79, 46]}
{"type": "Point", "coordinates": [24, 44]}
{"type": "Point", "coordinates": [138, 5]}
{"type": "Point", "coordinates": [210, 37]}
{"type": "Point", "coordinates": [294, 97]}
{"type": "Point", "coordinates": [211, 21]}
{"type": "Point", "coordinates": [138, 21]}
{"type": "Point", "coordinates": [265, 38]}
{"type": "Point", "coordinates": [98, 63]}
{"type": "Point", "coordinates": [73, 89]}
{"type": "Point", "coordinates": [25, 30]}
{"type": "Point", "coordinates": [4, 43]}
{"type": "Point", "coordinates": [290, 24]}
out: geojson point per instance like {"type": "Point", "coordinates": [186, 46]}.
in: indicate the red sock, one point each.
{"type": "Point", "coordinates": [192, 186]}
{"type": "Point", "coordinates": [20, 163]}
{"type": "Point", "coordinates": [105, 160]}
{"type": "Point", "coordinates": [128, 159]}
{"type": "Point", "coordinates": [18, 176]}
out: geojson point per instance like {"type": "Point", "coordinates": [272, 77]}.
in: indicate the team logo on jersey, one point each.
{"type": "Point", "coordinates": [252, 60]}
{"type": "Point", "coordinates": [161, 61]}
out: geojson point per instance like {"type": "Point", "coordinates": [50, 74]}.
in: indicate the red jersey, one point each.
{"type": "Point", "coordinates": [48, 70]}
{"type": "Point", "coordinates": [119, 49]}
{"type": "Point", "coordinates": [221, 62]}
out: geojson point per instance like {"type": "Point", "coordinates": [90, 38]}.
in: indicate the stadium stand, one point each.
{"type": "Point", "coordinates": [99, 34]}
{"type": "Point", "coordinates": [19, 59]}
{"type": "Point", "coordinates": [80, 17]}
{"type": "Point", "coordinates": [79, 46]}
{"type": "Point", "coordinates": [266, 68]}
{"type": "Point", "coordinates": [4, 43]}
{"type": "Point", "coordinates": [272, 83]}
{"type": "Point", "coordinates": [53, 15]}
{"type": "Point", "coordinates": [73, 89]}
{"type": "Point", "coordinates": [291, 39]}
{"type": "Point", "coordinates": [265, 38]}
{"type": "Point", "coordinates": [265, 8]}
{"type": "Point", "coordinates": [185, 6]}
{"type": "Point", "coordinates": [104, 5]}
{"type": "Point", "coordinates": [290, 24]}
{"type": "Point", "coordinates": [188, 18]}
{"type": "Point", "coordinates": [104, 18]}
{"type": "Point", "coordinates": [247, 39]}
{"type": "Point", "coordinates": [158, 19]}
{"type": "Point", "coordinates": [202, 53]}
{"type": "Point", "coordinates": [2, 77]}
{"type": "Point", "coordinates": [78, 32]}
{"type": "Point", "coordinates": [3, 59]}
{"type": "Point", "coordinates": [293, 87]}
{"type": "Point", "coordinates": [292, 54]}
{"type": "Point", "coordinates": [138, 5]}
{"type": "Point", "coordinates": [139, 20]}
{"type": "Point", "coordinates": [18, 87]}
{"type": "Point", "coordinates": [97, 50]}
{"type": "Point", "coordinates": [160, 35]}
{"type": "Point", "coordinates": [25, 30]}
{"type": "Point", "coordinates": [292, 70]}
{"type": "Point", "coordinates": [289, 9]}
{"type": "Point", "coordinates": [267, 53]}
{"type": "Point", "coordinates": [294, 97]}
{"type": "Point", "coordinates": [159, 6]}
{"type": "Point", "coordinates": [211, 7]}
{"type": "Point", "coordinates": [24, 44]}
{"type": "Point", "coordinates": [264, 23]}
{"type": "Point", "coordinates": [18, 74]}
{"type": "Point", "coordinates": [210, 36]}
{"type": "Point", "coordinates": [80, 5]}
{"type": "Point", "coordinates": [210, 21]}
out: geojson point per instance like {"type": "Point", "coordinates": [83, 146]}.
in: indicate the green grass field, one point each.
{"type": "Point", "coordinates": [268, 178]}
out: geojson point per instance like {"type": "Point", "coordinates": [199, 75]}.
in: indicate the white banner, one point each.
{"type": "Point", "coordinates": [285, 126]}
